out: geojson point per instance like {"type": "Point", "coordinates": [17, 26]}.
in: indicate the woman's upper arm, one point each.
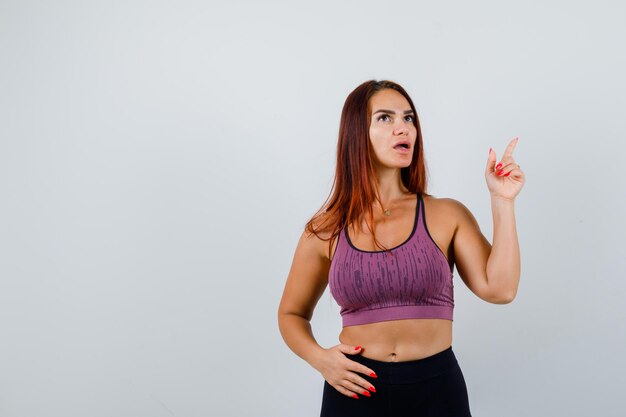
{"type": "Point", "coordinates": [471, 252]}
{"type": "Point", "coordinates": [307, 279]}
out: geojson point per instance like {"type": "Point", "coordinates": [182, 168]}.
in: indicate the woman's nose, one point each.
{"type": "Point", "coordinates": [402, 130]}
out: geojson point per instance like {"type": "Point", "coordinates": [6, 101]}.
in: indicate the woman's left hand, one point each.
{"type": "Point", "coordinates": [504, 180]}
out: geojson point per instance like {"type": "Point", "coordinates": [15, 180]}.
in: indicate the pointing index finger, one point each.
{"type": "Point", "coordinates": [509, 149]}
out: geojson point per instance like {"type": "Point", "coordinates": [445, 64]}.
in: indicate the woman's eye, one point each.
{"type": "Point", "coordinates": [381, 117]}
{"type": "Point", "coordinates": [410, 118]}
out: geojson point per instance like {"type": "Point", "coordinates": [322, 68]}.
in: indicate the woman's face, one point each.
{"type": "Point", "coordinates": [392, 124]}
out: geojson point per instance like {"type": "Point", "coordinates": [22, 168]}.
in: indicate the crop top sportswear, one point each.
{"type": "Point", "coordinates": [374, 286]}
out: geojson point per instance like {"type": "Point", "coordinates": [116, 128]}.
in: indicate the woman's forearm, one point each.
{"type": "Point", "coordinates": [503, 265]}
{"type": "Point", "coordinates": [297, 333]}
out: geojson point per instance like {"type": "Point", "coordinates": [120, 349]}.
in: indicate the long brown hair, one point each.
{"type": "Point", "coordinates": [353, 192]}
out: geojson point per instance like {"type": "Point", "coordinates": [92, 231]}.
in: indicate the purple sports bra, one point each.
{"type": "Point", "coordinates": [373, 286]}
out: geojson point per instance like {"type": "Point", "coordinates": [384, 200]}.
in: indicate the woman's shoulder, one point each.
{"type": "Point", "coordinates": [446, 206]}
{"type": "Point", "coordinates": [441, 202]}
{"type": "Point", "coordinates": [320, 240]}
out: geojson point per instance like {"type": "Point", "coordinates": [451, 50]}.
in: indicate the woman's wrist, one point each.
{"type": "Point", "coordinates": [314, 356]}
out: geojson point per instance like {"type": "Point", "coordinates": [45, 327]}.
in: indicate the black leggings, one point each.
{"type": "Point", "coordinates": [429, 387]}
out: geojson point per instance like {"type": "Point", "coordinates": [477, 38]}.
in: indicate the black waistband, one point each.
{"type": "Point", "coordinates": [408, 372]}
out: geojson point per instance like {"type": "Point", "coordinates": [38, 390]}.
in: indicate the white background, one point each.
{"type": "Point", "coordinates": [159, 159]}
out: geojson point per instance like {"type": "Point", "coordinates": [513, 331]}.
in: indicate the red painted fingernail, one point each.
{"type": "Point", "coordinates": [507, 174]}
{"type": "Point", "coordinates": [498, 166]}
{"type": "Point", "coordinates": [372, 389]}
{"type": "Point", "coordinates": [357, 348]}
{"type": "Point", "coordinates": [500, 172]}
{"type": "Point", "coordinates": [355, 396]}
{"type": "Point", "coordinates": [367, 393]}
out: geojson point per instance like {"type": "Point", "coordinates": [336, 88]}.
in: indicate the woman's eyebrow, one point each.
{"type": "Point", "coordinates": [391, 111]}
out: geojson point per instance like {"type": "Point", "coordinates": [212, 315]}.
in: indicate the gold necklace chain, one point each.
{"type": "Point", "coordinates": [387, 211]}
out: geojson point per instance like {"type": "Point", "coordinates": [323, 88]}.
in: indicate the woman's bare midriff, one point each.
{"type": "Point", "coordinates": [408, 339]}
{"type": "Point", "coordinates": [400, 340]}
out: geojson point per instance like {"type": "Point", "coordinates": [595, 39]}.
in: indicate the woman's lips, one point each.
{"type": "Point", "coordinates": [402, 149]}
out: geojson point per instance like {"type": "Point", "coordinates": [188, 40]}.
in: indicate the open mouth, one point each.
{"type": "Point", "coordinates": [403, 148]}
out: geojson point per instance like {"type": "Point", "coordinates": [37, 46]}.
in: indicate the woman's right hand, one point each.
{"type": "Point", "coordinates": [343, 373]}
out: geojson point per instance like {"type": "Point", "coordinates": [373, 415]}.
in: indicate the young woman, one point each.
{"type": "Point", "coordinates": [387, 250]}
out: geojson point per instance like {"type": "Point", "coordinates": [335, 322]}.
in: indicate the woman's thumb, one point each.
{"type": "Point", "coordinates": [350, 349]}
